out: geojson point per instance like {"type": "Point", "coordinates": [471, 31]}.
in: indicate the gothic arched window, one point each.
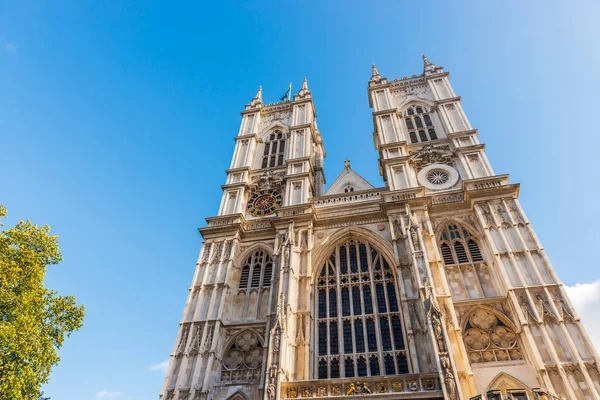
{"type": "Point", "coordinates": [252, 298]}
{"type": "Point", "coordinates": [261, 277]}
{"type": "Point", "coordinates": [359, 324]}
{"type": "Point", "coordinates": [243, 359]}
{"type": "Point", "coordinates": [468, 275]}
{"type": "Point", "coordinates": [419, 125]}
{"type": "Point", "coordinates": [274, 150]}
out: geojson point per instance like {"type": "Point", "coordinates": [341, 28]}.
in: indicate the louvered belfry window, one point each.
{"type": "Point", "coordinates": [253, 274]}
{"type": "Point", "coordinates": [419, 124]}
{"type": "Point", "coordinates": [274, 150]}
{"type": "Point", "coordinates": [468, 274]}
{"type": "Point", "coordinates": [359, 324]}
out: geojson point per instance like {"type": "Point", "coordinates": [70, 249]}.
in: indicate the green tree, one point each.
{"type": "Point", "coordinates": [34, 320]}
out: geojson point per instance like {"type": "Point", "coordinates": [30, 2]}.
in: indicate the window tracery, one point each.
{"type": "Point", "coordinates": [261, 277]}
{"type": "Point", "coordinates": [468, 274]}
{"type": "Point", "coordinates": [488, 339]}
{"type": "Point", "coordinates": [274, 150]}
{"type": "Point", "coordinates": [359, 325]}
{"type": "Point", "coordinates": [242, 362]}
{"type": "Point", "coordinates": [419, 124]}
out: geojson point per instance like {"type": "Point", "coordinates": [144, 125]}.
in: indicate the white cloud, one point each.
{"type": "Point", "coordinates": [11, 48]}
{"type": "Point", "coordinates": [161, 366]}
{"type": "Point", "coordinates": [108, 395]}
{"type": "Point", "coordinates": [586, 299]}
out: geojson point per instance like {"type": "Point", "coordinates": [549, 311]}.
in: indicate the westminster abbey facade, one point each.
{"type": "Point", "coordinates": [434, 286]}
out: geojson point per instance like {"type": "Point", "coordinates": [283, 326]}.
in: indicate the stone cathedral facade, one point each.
{"type": "Point", "coordinates": [434, 286]}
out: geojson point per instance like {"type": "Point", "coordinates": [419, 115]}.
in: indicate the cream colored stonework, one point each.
{"type": "Point", "coordinates": [433, 286]}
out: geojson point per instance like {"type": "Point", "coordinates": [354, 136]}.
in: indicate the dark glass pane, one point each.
{"type": "Point", "coordinates": [245, 276]}
{"type": "Point", "coordinates": [413, 137]}
{"type": "Point", "coordinates": [381, 306]}
{"type": "Point", "coordinates": [359, 336]}
{"type": "Point", "coordinates": [349, 368]}
{"type": "Point", "coordinates": [322, 369]}
{"type": "Point", "coordinates": [362, 251]}
{"type": "Point", "coordinates": [447, 254]}
{"type": "Point", "coordinates": [402, 364]}
{"type": "Point", "coordinates": [280, 160]}
{"type": "Point", "coordinates": [427, 120]}
{"type": "Point", "coordinates": [353, 259]}
{"type": "Point", "coordinates": [374, 364]}
{"type": "Point", "coordinates": [322, 339]}
{"type": "Point", "coordinates": [281, 146]}
{"type": "Point", "coordinates": [432, 134]}
{"type": "Point", "coordinates": [335, 368]}
{"type": "Point", "coordinates": [356, 301]}
{"type": "Point", "coordinates": [333, 338]}
{"type": "Point", "coordinates": [371, 336]}
{"type": "Point", "coordinates": [345, 302]}
{"type": "Point", "coordinates": [461, 253]}
{"type": "Point", "coordinates": [474, 250]}
{"type": "Point", "coordinates": [409, 123]}
{"type": "Point", "coordinates": [386, 266]}
{"type": "Point", "coordinates": [361, 364]}
{"type": "Point", "coordinates": [418, 122]}
{"type": "Point", "coordinates": [386, 340]}
{"type": "Point", "coordinates": [367, 299]}
{"type": "Point", "coordinates": [332, 303]}
{"type": "Point", "coordinates": [391, 289]}
{"type": "Point", "coordinates": [390, 368]}
{"type": "Point", "coordinates": [272, 162]}
{"type": "Point", "coordinates": [343, 260]}
{"type": "Point", "coordinates": [411, 111]}
{"type": "Point", "coordinates": [255, 276]}
{"type": "Point", "coordinates": [272, 137]}
{"type": "Point", "coordinates": [267, 147]}
{"type": "Point", "coordinates": [264, 162]}
{"type": "Point", "coordinates": [322, 304]}
{"type": "Point", "coordinates": [347, 337]}
{"type": "Point", "coordinates": [268, 274]}
{"type": "Point", "coordinates": [279, 135]}
{"type": "Point", "coordinates": [419, 110]}
{"type": "Point", "coordinates": [423, 136]}
{"type": "Point", "coordinates": [397, 332]}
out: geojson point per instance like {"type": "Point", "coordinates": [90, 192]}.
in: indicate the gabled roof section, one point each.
{"type": "Point", "coordinates": [348, 179]}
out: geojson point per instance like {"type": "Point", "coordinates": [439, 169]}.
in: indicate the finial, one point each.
{"type": "Point", "coordinates": [259, 93]}
{"type": "Point", "coordinates": [426, 61]}
{"type": "Point", "coordinates": [347, 162]}
{"type": "Point", "coordinates": [305, 84]}
{"type": "Point", "coordinates": [374, 69]}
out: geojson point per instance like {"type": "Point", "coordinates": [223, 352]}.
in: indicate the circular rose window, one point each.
{"type": "Point", "coordinates": [438, 177]}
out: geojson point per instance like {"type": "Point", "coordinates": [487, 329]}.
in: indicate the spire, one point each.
{"type": "Point", "coordinates": [375, 72]}
{"type": "Point", "coordinates": [429, 67]}
{"type": "Point", "coordinates": [375, 76]}
{"type": "Point", "coordinates": [259, 94]}
{"type": "Point", "coordinates": [257, 100]}
{"type": "Point", "coordinates": [303, 92]}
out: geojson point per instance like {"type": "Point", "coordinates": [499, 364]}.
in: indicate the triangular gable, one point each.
{"type": "Point", "coordinates": [348, 178]}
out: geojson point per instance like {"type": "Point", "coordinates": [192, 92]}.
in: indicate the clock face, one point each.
{"type": "Point", "coordinates": [264, 202]}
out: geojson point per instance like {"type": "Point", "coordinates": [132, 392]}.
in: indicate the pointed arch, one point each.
{"type": "Point", "coordinates": [239, 395]}
{"type": "Point", "coordinates": [489, 336]}
{"type": "Point", "coordinates": [359, 325]}
{"type": "Point", "coordinates": [243, 357]}
{"type": "Point", "coordinates": [506, 383]}
{"type": "Point", "coordinates": [469, 275]}
{"type": "Point", "coordinates": [323, 250]}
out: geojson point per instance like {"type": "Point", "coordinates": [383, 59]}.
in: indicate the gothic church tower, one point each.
{"type": "Point", "coordinates": [434, 286]}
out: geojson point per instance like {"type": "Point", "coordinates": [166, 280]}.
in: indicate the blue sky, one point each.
{"type": "Point", "coordinates": [117, 122]}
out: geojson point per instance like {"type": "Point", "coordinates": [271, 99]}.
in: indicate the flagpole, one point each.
{"type": "Point", "coordinates": [290, 92]}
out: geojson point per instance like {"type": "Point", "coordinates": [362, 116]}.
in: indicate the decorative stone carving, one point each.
{"type": "Point", "coordinates": [431, 155]}
{"type": "Point", "coordinates": [268, 180]}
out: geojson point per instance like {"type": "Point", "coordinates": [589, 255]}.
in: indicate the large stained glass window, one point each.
{"type": "Point", "coordinates": [357, 305]}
